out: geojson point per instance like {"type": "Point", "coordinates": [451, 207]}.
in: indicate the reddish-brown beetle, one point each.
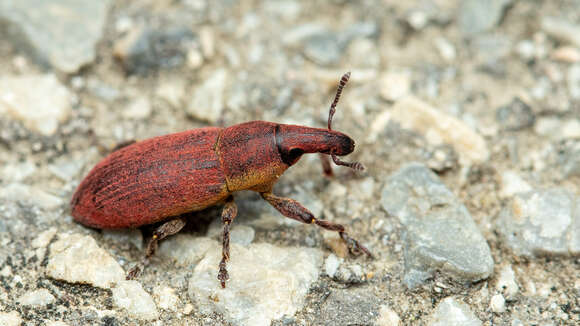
{"type": "Point", "coordinates": [161, 178]}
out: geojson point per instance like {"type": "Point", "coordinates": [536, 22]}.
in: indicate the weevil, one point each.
{"type": "Point", "coordinates": [158, 179]}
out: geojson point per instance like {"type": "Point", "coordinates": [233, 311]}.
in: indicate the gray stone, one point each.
{"type": "Point", "coordinates": [130, 296]}
{"type": "Point", "coordinates": [542, 223]}
{"type": "Point", "coordinates": [60, 33]}
{"type": "Point", "coordinates": [144, 50]}
{"type": "Point", "coordinates": [266, 282]}
{"type": "Point", "coordinates": [451, 312]}
{"type": "Point", "coordinates": [478, 16]}
{"type": "Point", "coordinates": [40, 102]}
{"type": "Point", "coordinates": [515, 116]}
{"type": "Point", "coordinates": [77, 259]}
{"type": "Point", "coordinates": [323, 49]}
{"type": "Point", "coordinates": [32, 195]}
{"type": "Point", "coordinates": [506, 283]}
{"type": "Point", "coordinates": [439, 231]}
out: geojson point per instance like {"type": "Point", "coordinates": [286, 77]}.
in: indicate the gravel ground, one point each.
{"type": "Point", "coordinates": [465, 113]}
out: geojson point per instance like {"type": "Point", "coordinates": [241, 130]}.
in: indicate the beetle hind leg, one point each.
{"type": "Point", "coordinates": [163, 231]}
{"type": "Point", "coordinates": [228, 214]}
{"type": "Point", "coordinates": [294, 210]}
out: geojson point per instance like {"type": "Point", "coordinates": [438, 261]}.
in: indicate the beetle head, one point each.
{"type": "Point", "coordinates": [293, 141]}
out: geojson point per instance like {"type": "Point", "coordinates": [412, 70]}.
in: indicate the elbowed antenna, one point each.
{"type": "Point", "coordinates": [353, 165]}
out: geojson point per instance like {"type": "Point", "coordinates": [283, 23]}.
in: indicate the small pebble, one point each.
{"type": "Point", "coordinates": [130, 296]}
{"type": "Point", "coordinates": [497, 303]}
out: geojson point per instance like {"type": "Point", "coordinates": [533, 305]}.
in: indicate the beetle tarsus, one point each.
{"type": "Point", "coordinates": [166, 229]}
{"type": "Point", "coordinates": [294, 210]}
{"type": "Point", "coordinates": [228, 214]}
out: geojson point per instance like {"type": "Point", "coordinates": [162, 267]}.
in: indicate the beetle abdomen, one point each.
{"type": "Point", "coordinates": [151, 180]}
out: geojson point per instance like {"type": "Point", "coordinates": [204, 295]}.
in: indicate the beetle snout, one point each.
{"type": "Point", "coordinates": [342, 144]}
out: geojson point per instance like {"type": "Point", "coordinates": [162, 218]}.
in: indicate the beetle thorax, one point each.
{"type": "Point", "coordinates": [250, 157]}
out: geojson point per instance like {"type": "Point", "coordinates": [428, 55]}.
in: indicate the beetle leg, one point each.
{"type": "Point", "coordinates": [228, 214]}
{"type": "Point", "coordinates": [326, 166]}
{"type": "Point", "coordinates": [163, 231]}
{"type": "Point", "coordinates": [294, 210]}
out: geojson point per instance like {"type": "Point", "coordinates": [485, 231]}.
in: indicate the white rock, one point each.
{"type": "Point", "coordinates": [512, 183]}
{"type": "Point", "coordinates": [41, 102]}
{"type": "Point", "coordinates": [56, 323]}
{"type": "Point", "coordinates": [506, 282]}
{"type": "Point", "coordinates": [207, 101]}
{"type": "Point", "coordinates": [10, 318]}
{"type": "Point", "coordinates": [34, 195]}
{"type": "Point", "coordinates": [388, 317]}
{"type": "Point", "coordinates": [438, 127]}
{"type": "Point", "coordinates": [185, 250]}
{"type": "Point", "coordinates": [446, 49]}
{"type": "Point", "coordinates": [207, 40]}
{"type": "Point", "coordinates": [44, 238]}
{"type": "Point", "coordinates": [139, 108]}
{"type": "Point", "coordinates": [266, 282]}
{"type": "Point", "coordinates": [331, 264]}
{"type": "Point", "coordinates": [557, 129]}
{"type": "Point", "coordinates": [378, 125]}
{"type": "Point", "coordinates": [130, 296]}
{"type": "Point", "coordinates": [450, 312]}
{"type": "Point", "coordinates": [497, 303]}
{"type": "Point", "coordinates": [166, 298]}
{"type": "Point", "coordinates": [38, 298]}
{"type": "Point", "coordinates": [77, 259]}
{"type": "Point", "coordinates": [395, 84]}
{"type": "Point", "coordinates": [18, 171]}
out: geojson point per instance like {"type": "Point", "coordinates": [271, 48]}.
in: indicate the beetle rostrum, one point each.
{"type": "Point", "coordinates": [162, 178]}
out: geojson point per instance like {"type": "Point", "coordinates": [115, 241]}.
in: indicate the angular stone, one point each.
{"type": "Point", "coordinates": [438, 127]}
{"type": "Point", "coordinates": [542, 223]}
{"type": "Point", "coordinates": [130, 296]}
{"type": "Point", "coordinates": [77, 259]}
{"type": "Point", "coordinates": [266, 282]}
{"type": "Point", "coordinates": [439, 231]}
{"type": "Point", "coordinates": [41, 102]}
{"type": "Point", "coordinates": [61, 33]}
{"type": "Point", "coordinates": [451, 312]}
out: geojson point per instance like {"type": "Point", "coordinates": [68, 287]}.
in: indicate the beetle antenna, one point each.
{"type": "Point", "coordinates": [357, 166]}
{"type": "Point", "coordinates": [341, 85]}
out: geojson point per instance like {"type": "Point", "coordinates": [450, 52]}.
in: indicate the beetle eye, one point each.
{"type": "Point", "coordinates": [290, 157]}
{"type": "Point", "coordinates": [295, 153]}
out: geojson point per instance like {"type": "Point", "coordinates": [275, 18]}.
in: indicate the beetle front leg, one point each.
{"type": "Point", "coordinates": [166, 229]}
{"type": "Point", "coordinates": [294, 210]}
{"type": "Point", "coordinates": [228, 214]}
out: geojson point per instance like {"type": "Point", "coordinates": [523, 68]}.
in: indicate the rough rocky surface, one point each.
{"type": "Point", "coordinates": [485, 94]}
